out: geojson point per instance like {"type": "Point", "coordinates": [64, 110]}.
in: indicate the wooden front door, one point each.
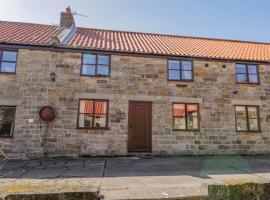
{"type": "Point", "coordinates": [140, 126]}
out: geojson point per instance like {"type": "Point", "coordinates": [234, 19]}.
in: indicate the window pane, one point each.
{"type": "Point", "coordinates": [241, 120]}
{"type": "Point", "coordinates": [253, 124]}
{"type": "Point", "coordinates": [186, 65]}
{"type": "Point", "coordinates": [89, 59]}
{"type": "Point", "coordinates": [192, 109]}
{"type": "Point", "coordinates": [100, 121]}
{"type": "Point", "coordinates": [179, 120]}
{"type": "Point", "coordinates": [103, 59]}
{"type": "Point", "coordinates": [241, 69]}
{"type": "Point", "coordinates": [241, 111]}
{"type": "Point", "coordinates": [192, 116]}
{"type": "Point", "coordinates": [192, 122]}
{"type": "Point", "coordinates": [187, 75]}
{"type": "Point", "coordinates": [85, 120]}
{"type": "Point", "coordinates": [241, 78]}
{"type": "Point", "coordinates": [252, 69]}
{"type": "Point", "coordinates": [241, 124]}
{"type": "Point", "coordinates": [6, 128]}
{"type": "Point", "coordinates": [178, 110]}
{"type": "Point", "coordinates": [174, 64]}
{"type": "Point", "coordinates": [7, 113]}
{"type": "Point", "coordinates": [179, 123]}
{"type": "Point", "coordinates": [86, 106]}
{"type": "Point", "coordinates": [9, 56]}
{"type": "Point", "coordinates": [88, 70]}
{"type": "Point", "coordinates": [253, 78]}
{"type": "Point", "coordinates": [103, 70]}
{"type": "Point", "coordinates": [8, 67]}
{"type": "Point", "coordinates": [174, 75]}
{"type": "Point", "coordinates": [252, 112]}
{"type": "Point", "coordinates": [100, 108]}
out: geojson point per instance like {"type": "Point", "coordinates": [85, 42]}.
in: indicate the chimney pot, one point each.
{"type": "Point", "coordinates": [66, 18]}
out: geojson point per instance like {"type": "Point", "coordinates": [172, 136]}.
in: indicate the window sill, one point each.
{"type": "Point", "coordinates": [186, 130]}
{"type": "Point", "coordinates": [249, 131]}
{"type": "Point", "coordinates": [248, 84]}
{"type": "Point", "coordinates": [169, 80]}
{"type": "Point", "coordinates": [7, 137]}
{"type": "Point", "coordinates": [95, 129]}
{"type": "Point", "coordinates": [8, 73]}
{"type": "Point", "coordinates": [94, 76]}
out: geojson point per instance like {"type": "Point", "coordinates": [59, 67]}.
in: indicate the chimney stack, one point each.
{"type": "Point", "coordinates": [66, 18]}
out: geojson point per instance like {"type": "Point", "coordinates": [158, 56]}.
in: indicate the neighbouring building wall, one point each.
{"type": "Point", "coordinates": [131, 78]}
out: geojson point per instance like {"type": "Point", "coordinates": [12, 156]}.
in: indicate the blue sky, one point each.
{"type": "Point", "coordinates": [231, 19]}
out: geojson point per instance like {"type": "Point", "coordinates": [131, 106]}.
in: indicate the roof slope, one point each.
{"type": "Point", "coordinates": [134, 42]}
{"type": "Point", "coordinates": [26, 33]}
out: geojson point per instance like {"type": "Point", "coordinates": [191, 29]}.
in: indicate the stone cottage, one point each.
{"type": "Point", "coordinates": [67, 90]}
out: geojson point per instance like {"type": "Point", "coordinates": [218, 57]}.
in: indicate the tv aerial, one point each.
{"type": "Point", "coordinates": [78, 14]}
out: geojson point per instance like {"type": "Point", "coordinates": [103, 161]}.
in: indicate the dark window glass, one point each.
{"type": "Point", "coordinates": [185, 116]}
{"type": "Point", "coordinates": [247, 118]}
{"type": "Point", "coordinates": [93, 114]}
{"type": "Point", "coordinates": [7, 117]}
{"type": "Point", "coordinates": [95, 65]}
{"type": "Point", "coordinates": [8, 60]}
{"type": "Point", "coordinates": [247, 73]}
{"type": "Point", "coordinates": [180, 70]}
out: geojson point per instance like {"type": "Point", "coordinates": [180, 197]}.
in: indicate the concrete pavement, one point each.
{"type": "Point", "coordinates": [132, 177]}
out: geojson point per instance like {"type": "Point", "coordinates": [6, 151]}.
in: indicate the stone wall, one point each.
{"type": "Point", "coordinates": [132, 78]}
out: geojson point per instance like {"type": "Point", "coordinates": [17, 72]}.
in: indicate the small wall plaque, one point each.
{"type": "Point", "coordinates": [119, 114]}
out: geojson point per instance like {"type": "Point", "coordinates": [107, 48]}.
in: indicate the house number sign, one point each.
{"type": "Point", "coordinates": [120, 114]}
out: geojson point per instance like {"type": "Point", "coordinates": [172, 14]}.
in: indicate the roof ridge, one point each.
{"type": "Point", "coordinates": [30, 23]}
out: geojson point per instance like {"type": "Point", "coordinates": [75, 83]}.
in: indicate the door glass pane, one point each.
{"type": "Point", "coordinates": [89, 59]}
{"type": "Point", "coordinates": [252, 69]}
{"type": "Point", "coordinates": [253, 78]}
{"type": "Point", "coordinates": [241, 119]}
{"type": "Point", "coordinates": [174, 75]}
{"type": "Point", "coordinates": [241, 78]}
{"type": "Point", "coordinates": [103, 59]}
{"type": "Point", "coordinates": [6, 128]}
{"type": "Point", "coordinates": [103, 70]}
{"type": "Point", "coordinates": [88, 70]}
{"type": "Point", "coordinates": [186, 65]}
{"type": "Point", "coordinates": [9, 56]}
{"type": "Point", "coordinates": [100, 121]}
{"type": "Point", "coordinates": [8, 67]}
{"type": "Point", "coordinates": [241, 68]}
{"type": "Point", "coordinates": [186, 75]}
{"type": "Point", "coordinates": [174, 64]}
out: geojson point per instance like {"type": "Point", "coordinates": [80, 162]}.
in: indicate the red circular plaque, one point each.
{"type": "Point", "coordinates": [47, 113]}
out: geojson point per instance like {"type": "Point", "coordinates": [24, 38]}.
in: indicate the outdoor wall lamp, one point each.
{"type": "Point", "coordinates": [53, 76]}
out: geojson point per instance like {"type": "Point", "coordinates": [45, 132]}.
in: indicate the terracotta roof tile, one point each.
{"type": "Point", "coordinates": [134, 42]}
{"type": "Point", "coordinates": [26, 33]}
